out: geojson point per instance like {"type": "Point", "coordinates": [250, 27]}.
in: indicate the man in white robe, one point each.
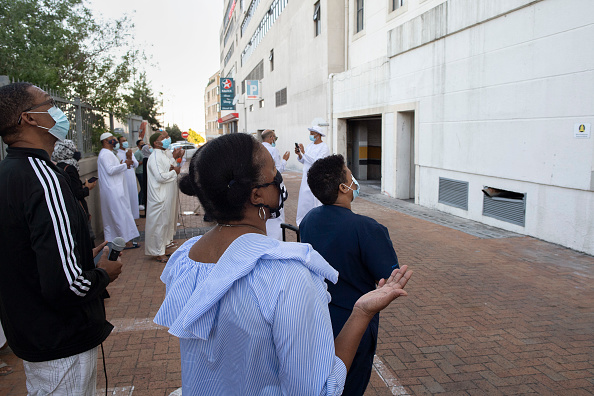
{"type": "Point", "coordinates": [177, 161]}
{"type": "Point", "coordinates": [115, 204]}
{"type": "Point", "coordinates": [269, 138]}
{"type": "Point", "coordinates": [315, 150]}
{"type": "Point", "coordinates": [161, 192]}
{"type": "Point", "coordinates": [125, 153]}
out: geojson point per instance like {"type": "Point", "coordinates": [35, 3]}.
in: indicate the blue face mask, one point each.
{"type": "Point", "coordinates": [116, 147]}
{"type": "Point", "coordinates": [62, 125]}
{"type": "Point", "coordinates": [125, 145]}
{"type": "Point", "coordinates": [358, 190]}
{"type": "Point", "coordinates": [151, 149]}
{"type": "Point", "coordinates": [166, 143]}
{"type": "Point", "coordinates": [312, 138]}
{"type": "Point", "coordinates": [273, 144]}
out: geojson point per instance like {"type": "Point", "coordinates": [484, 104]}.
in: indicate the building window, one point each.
{"type": "Point", "coordinates": [317, 20]}
{"type": "Point", "coordinates": [251, 108]}
{"type": "Point", "coordinates": [262, 103]}
{"type": "Point", "coordinates": [396, 4]}
{"type": "Point", "coordinates": [271, 58]}
{"type": "Point", "coordinates": [359, 15]}
{"type": "Point", "coordinates": [281, 97]}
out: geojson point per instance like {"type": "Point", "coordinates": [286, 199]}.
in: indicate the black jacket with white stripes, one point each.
{"type": "Point", "coordinates": [50, 303]}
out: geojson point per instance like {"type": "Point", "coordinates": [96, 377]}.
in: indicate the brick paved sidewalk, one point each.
{"type": "Point", "coordinates": [500, 315]}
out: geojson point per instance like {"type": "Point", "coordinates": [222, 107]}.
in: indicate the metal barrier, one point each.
{"type": "Point", "coordinates": [81, 116]}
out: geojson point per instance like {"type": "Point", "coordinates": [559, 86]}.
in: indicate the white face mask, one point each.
{"type": "Point", "coordinates": [355, 192]}
{"type": "Point", "coordinates": [62, 125]}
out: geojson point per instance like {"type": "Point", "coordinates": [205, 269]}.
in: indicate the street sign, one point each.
{"type": "Point", "coordinates": [185, 135]}
{"type": "Point", "coordinates": [252, 88]}
{"type": "Point", "coordinates": [227, 89]}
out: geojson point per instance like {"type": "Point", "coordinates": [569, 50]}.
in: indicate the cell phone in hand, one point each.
{"type": "Point", "coordinates": [297, 146]}
{"type": "Point", "coordinates": [93, 179]}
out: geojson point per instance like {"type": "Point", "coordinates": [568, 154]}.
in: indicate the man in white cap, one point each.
{"type": "Point", "coordinates": [315, 150]}
{"type": "Point", "coordinates": [115, 202]}
{"type": "Point", "coordinates": [269, 138]}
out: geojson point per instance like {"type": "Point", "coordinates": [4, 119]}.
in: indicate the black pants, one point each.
{"type": "Point", "coordinates": [360, 372]}
{"type": "Point", "coordinates": [141, 194]}
{"type": "Point", "coordinates": [144, 186]}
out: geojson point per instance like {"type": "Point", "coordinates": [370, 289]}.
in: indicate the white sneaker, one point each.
{"type": "Point", "coordinates": [140, 207]}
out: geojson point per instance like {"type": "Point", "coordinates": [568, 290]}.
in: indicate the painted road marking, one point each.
{"type": "Point", "coordinates": [119, 391]}
{"type": "Point", "coordinates": [124, 325]}
{"type": "Point", "coordinates": [388, 377]}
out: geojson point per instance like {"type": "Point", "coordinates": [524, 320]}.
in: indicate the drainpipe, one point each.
{"type": "Point", "coordinates": [346, 36]}
{"type": "Point", "coordinates": [330, 115]}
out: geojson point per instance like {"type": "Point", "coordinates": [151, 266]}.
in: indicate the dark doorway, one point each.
{"type": "Point", "coordinates": [364, 147]}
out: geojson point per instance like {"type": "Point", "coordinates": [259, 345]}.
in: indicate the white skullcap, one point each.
{"type": "Point", "coordinates": [105, 136]}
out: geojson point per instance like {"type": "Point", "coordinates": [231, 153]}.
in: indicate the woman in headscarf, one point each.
{"type": "Point", "coordinates": [251, 312]}
{"type": "Point", "coordinates": [66, 157]}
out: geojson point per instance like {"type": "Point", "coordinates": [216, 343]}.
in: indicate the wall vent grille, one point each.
{"type": "Point", "coordinates": [505, 209]}
{"type": "Point", "coordinates": [453, 193]}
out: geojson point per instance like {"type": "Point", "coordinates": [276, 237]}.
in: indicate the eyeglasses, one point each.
{"type": "Point", "coordinates": [49, 101]}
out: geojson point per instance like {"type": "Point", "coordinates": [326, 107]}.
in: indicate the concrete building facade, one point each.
{"type": "Point", "coordinates": [280, 44]}
{"type": "Point", "coordinates": [482, 109]}
{"type": "Point", "coordinates": [212, 111]}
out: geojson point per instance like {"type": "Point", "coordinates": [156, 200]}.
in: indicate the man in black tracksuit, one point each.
{"type": "Point", "coordinates": [50, 290]}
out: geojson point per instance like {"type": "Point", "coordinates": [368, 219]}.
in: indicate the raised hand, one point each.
{"type": "Point", "coordinates": [386, 292]}
{"type": "Point", "coordinates": [178, 152]}
{"type": "Point", "coordinates": [286, 156]}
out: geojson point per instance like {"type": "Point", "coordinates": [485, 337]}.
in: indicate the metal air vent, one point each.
{"type": "Point", "coordinates": [453, 193]}
{"type": "Point", "coordinates": [504, 205]}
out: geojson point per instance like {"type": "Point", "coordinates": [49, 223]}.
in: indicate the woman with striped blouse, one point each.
{"type": "Point", "coordinates": [251, 312]}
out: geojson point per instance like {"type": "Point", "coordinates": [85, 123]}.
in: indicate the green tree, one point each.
{"type": "Point", "coordinates": [174, 132]}
{"type": "Point", "coordinates": [141, 101]}
{"type": "Point", "coordinates": [59, 44]}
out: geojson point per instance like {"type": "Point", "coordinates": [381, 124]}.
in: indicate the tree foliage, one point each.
{"type": "Point", "coordinates": [174, 133]}
{"type": "Point", "coordinates": [59, 44]}
{"type": "Point", "coordinates": [141, 101]}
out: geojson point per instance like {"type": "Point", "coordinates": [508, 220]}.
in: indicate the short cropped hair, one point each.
{"type": "Point", "coordinates": [14, 99]}
{"type": "Point", "coordinates": [138, 141]}
{"type": "Point", "coordinates": [266, 134]}
{"type": "Point", "coordinates": [222, 175]}
{"type": "Point", "coordinates": [325, 176]}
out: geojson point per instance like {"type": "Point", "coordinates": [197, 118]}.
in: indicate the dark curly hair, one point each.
{"type": "Point", "coordinates": [222, 175]}
{"type": "Point", "coordinates": [325, 176]}
{"type": "Point", "coordinates": [14, 99]}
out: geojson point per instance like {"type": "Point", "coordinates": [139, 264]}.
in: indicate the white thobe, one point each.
{"type": "Point", "coordinates": [273, 226]}
{"type": "Point", "coordinates": [130, 176]}
{"type": "Point", "coordinates": [161, 188]}
{"type": "Point", "coordinates": [307, 201]}
{"type": "Point", "coordinates": [2, 336]}
{"type": "Point", "coordinates": [115, 204]}
{"type": "Point", "coordinates": [174, 201]}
